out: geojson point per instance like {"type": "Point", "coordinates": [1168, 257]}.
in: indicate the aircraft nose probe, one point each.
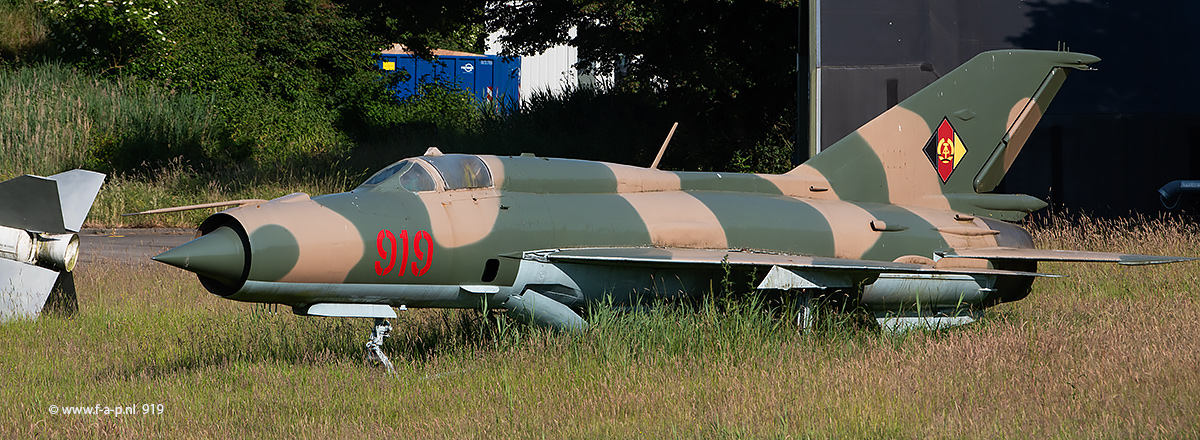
{"type": "Point", "coordinates": [218, 255]}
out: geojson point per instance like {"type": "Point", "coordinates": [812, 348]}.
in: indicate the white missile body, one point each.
{"type": "Point", "coordinates": [39, 244]}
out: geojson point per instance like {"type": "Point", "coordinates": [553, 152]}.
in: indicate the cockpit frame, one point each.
{"type": "Point", "coordinates": [454, 172]}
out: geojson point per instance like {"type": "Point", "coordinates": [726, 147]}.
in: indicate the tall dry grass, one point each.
{"type": "Point", "coordinates": [44, 126]}
{"type": "Point", "coordinates": [54, 118]}
{"type": "Point", "coordinates": [1107, 352]}
{"type": "Point", "coordinates": [23, 30]}
{"type": "Point", "coordinates": [160, 148]}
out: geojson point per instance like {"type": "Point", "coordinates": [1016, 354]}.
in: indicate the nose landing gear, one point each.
{"type": "Point", "coordinates": [375, 345]}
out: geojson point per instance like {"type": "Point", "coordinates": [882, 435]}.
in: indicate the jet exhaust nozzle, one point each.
{"type": "Point", "coordinates": [53, 251]}
{"type": "Point", "coordinates": [58, 251]}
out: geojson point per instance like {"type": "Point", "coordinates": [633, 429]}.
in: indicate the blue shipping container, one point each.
{"type": "Point", "coordinates": [488, 77]}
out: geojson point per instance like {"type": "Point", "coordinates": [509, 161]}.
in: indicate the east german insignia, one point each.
{"type": "Point", "coordinates": [945, 150]}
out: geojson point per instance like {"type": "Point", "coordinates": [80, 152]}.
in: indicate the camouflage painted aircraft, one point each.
{"type": "Point", "coordinates": [899, 214]}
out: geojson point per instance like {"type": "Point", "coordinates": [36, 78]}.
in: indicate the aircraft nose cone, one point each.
{"type": "Point", "coordinates": [217, 254]}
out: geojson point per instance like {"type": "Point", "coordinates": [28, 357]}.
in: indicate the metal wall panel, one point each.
{"type": "Point", "coordinates": [1110, 138]}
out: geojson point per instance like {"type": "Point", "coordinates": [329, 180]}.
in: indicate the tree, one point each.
{"type": "Point", "coordinates": [725, 68]}
{"type": "Point", "coordinates": [424, 25]}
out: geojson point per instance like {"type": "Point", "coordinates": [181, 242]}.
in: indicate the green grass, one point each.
{"type": "Point", "coordinates": [1107, 352]}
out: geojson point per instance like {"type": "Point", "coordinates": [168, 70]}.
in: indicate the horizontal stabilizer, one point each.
{"type": "Point", "coordinates": [739, 257]}
{"type": "Point", "coordinates": [1005, 253]}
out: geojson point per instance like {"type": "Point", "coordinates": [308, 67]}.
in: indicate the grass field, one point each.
{"type": "Point", "coordinates": [1107, 352]}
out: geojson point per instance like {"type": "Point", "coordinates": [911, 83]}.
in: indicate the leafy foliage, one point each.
{"type": "Point", "coordinates": [719, 48]}
{"type": "Point", "coordinates": [291, 79]}
{"type": "Point", "coordinates": [105, 35]}
{"type": "Point", "coordinates": [597, 123]}
{"type": "Point", "coordinates": [421, 26]}
{"type": "Point", "coordinates": [277, 69]}
{"type": "Point", "coordinates": [724, 69]}
{"type": "Point", "coordinates": [772, 154]}
{"type": "Point", "coordinates": [436, 106]}
{"type": "Point", "coordinates": [292, 83]}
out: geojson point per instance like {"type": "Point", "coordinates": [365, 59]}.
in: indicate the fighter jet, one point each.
{"type": "Point", "coordinates": [899, 216]}
{"type": "Point", "coordinates": [39, 219]}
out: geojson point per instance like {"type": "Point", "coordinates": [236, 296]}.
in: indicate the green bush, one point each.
{"type": "Point", "coordinates": [438, 106]}
{"type": "Point", "coordinates": [597, 123]}
{"type": "Point", "coordinates": [624, 125]}
{"type": "Point", "coordinates": [105, 35]}
{"type": "Point", "coordinates": [282, 75]}
{"type": "Point", "coordinates": [286, 74]}
{"type": "Point", "coordinates": [287, 86]}
{"type": "Point", "coordinates": [772, 154]}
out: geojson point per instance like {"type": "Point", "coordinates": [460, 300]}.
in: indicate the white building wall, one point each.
{"type": "Point", "coordinates": [553, 70]}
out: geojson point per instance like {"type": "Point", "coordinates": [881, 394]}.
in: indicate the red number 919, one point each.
{"type": "Point", "coordinates": [386, 244]}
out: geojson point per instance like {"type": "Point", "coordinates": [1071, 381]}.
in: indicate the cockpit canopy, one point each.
{"type": "Point", "coordinates": [452, 171]}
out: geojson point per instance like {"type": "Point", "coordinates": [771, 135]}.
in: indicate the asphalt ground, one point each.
{"type": "Point", "coordinates": [132, 246]}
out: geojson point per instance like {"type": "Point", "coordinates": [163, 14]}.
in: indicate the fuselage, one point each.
{"type": "Point", "coordinates": [458, 231]}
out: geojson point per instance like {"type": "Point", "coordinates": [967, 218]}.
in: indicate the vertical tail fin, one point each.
{"type": "Point", "coordinates": [953, 139]}
{"type": "Point", "coordinates": [77, 189]}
